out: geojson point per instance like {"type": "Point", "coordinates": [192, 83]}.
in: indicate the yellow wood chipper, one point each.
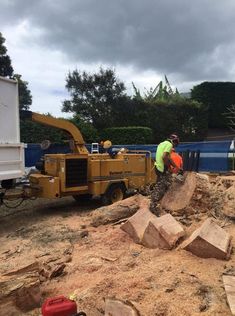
{"type": "Point", "coordinates": [82, 174]}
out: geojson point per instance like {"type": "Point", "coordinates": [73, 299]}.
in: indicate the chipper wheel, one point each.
{"type": "Point", "coordinates": [115, 193]}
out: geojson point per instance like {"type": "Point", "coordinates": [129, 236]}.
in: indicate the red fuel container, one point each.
{"type": "Point", "coordinates": [59, 306]}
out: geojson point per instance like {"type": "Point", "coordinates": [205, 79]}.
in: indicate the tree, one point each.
{"type": "Point", "coordinates": [6, 69]}
{"type": "Point", "coordinates": [25, 97]}
{"type": "Point", "coordinates": [217, 96]}
{"type": "Point", "coordinates": [162, 92]}
{"type": "Point", "coordinates": [93, 96]}
{"type": "Point", "coordinates": [89, 133]}
{"type": "Point", "coordinates": [185, 117]}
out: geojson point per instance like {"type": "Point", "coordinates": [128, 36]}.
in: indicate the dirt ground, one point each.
{"type": "Point", "coordinates": [104, 262]}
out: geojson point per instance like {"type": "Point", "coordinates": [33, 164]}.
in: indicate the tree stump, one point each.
{"type": "Point", "coordinates": [179, 195]}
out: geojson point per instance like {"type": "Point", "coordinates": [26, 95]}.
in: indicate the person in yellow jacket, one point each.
{"type": "Point", "coordinates": [163, 156]}
{"type": "Point", "coordinates": [164, 165]}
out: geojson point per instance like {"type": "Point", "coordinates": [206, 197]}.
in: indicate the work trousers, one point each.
{"type": "Point", "coordinates": [162, 184]}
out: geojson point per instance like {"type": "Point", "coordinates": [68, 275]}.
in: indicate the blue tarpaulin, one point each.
{"type": "Point", "coordinates": [213, 155]}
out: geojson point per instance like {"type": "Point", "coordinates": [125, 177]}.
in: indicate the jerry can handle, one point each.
{"type": "Point", "coordinates": [56, 299]}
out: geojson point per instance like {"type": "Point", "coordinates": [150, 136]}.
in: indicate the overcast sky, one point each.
{"type": "Point", "coordinates": [189, 41]}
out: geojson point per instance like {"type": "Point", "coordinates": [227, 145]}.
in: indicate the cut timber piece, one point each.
{"type": "Point", "coordinates": [162, 232]}
{"type": "Point", "coordinates": [209, 241]}
{"type": "Point", "coordinates": [114, 307]}
{"type": "Point", "coordinates": [136, 225]}
{"type": "Point", "coordinates": [20, 290]}
{"type": "Point", "coordinates": [151, 231]}
{"type": "Point", "coordinates": [112, 213]}
{"type": "Point", "coordinates": [229, 285]}
{"type": "Point", "coordinates": [179, 195]}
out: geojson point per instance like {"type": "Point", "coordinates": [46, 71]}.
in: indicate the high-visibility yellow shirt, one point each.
{"type": "Point", "coordinates": [164, 147]}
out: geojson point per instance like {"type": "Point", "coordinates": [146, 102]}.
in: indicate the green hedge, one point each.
{"type": "Point", "coordinates": [217, 96]}
{"type": "Point", "coordinates": [128, 135]}
{"type": "Point", "coordinates": [32, 132]}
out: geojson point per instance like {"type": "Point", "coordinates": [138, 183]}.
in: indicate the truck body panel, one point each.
{"type": "Point", "coordinates": [11, 150]}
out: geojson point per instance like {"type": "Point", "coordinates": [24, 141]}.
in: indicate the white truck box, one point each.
{"type": "Point", "coordinates": [11, 150]}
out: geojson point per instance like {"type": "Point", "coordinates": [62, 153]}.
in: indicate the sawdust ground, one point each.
{"type": "Point", "coordinates": [108, 263]}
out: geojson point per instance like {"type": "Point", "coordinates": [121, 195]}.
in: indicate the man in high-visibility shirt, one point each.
{"type": "Point", "coordinates": [163, 156]}
{"type": "Point", "coordinates": [163, 165]}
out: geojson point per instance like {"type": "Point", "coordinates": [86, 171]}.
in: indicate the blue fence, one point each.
{"type": "Point", "coordinates": [213, 155]}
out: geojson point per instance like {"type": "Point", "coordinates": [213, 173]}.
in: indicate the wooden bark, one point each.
{"type": "Point", "coordinates": [20, 290]}
{"type": "Point", "coordinates": [117, 211]}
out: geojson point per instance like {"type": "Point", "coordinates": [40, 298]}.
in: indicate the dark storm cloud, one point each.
{"type": "Point", "coordinates": [193, 40]}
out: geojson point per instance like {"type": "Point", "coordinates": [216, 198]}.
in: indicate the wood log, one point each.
{"type": "Point", "coordinates": [209, 241]}
{"type": "Point", "coordinates": [162, 232]}
{"type": "Point", "coordinates": [136, 225]}
{"type": "Point", "coordinates": [151, 231]}
{"type": "Point", "coordinates": [117, 211]}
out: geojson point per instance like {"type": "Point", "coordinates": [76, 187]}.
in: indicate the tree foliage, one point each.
{"type": "Point", "coordinates": [6, 69]}
{"type": "Point", "coordinates": [162, 92]}
{"type": "Point", "coordinates": [98, 101]}
{"type": "Point", "coordinates": [33, 132]}
{"type": "Point", "coordinates": [93, 96]}
{"type": "Point", "coordinates": [25, 97]}
{"type": "Point", "coordinates": [128, 135]}
{"type": "Point", "coordinates": [88, 131]}
{"type": "Point", "coordinates": [217, 96]}
{"type": "Point", "coordinates": [186, 117]}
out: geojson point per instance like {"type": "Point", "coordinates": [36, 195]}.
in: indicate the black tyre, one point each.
{"type": "Point", "coordinates": [115, 193]}
{"type": "Point", "coordinates": [82, 197]}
